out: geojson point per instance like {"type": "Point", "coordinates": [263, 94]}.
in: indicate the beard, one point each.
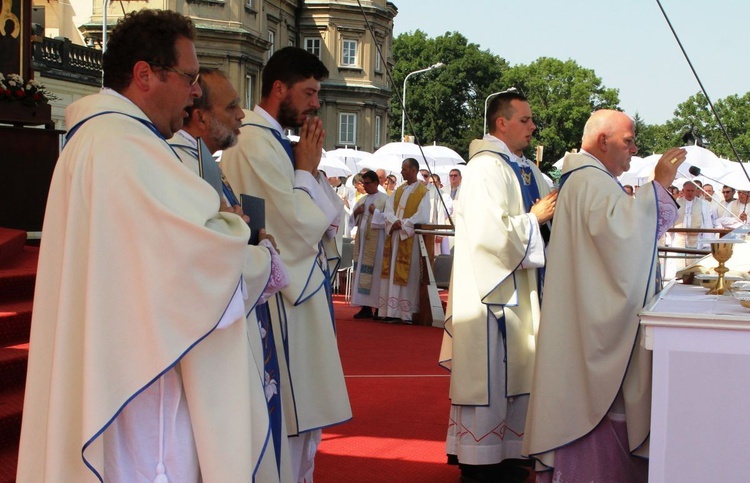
{"type": "Point", "coordinates": [289, 115]}
{"type": "Point", "coordinates": [222, 136]}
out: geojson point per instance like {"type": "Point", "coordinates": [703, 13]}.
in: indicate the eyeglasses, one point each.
{"type": "Point", "coordinates": [192, 78]}
{"type": "Point", "coordinates": [453, 175]}
{"type": "Point", "coordinates": [726, 191]}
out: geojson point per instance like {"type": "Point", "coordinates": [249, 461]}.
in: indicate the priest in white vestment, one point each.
{"type": "Point", "coordinates": [494, 295]}
{"type": "Point", "coordinates": [694, 212]}
{"type": "Point", "coordinates": [590, 399]}
{"type": "Point", "coordinates": [406, 207]}
{"type": "Point", "coordinates": [368, 246]}
{"type": "Point", "coordinates": [735, 214]}
{"type": "Point", "coordinates": [302, 213]}
{"type": "Point", "coordinates": [138, 308]}
{"type": "Point", "coordinates": [215, 118]}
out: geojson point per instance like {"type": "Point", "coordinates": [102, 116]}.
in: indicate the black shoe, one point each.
{"type": "Point", "coordinates": [391, 320]}
{"type": "Point", "coordinates": [505, 472]}
{"type": "Point", "coordinates": [364, 313]}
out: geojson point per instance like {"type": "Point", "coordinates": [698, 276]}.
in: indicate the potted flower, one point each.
{"type": "Point", "coordinates": [24, 102]}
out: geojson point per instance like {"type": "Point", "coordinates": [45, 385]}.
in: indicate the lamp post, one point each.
{"type": "Point", "coordinates": [403, 111]}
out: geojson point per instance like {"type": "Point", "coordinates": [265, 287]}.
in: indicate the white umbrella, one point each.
{"type": "Point", "coordinates": [388, 162]}
{"type": "Point", "coordinates": [647, 169]}
{"type": "Point", "coordinates": [702, 158]}
{"type": "Point", "coordinates": [350, 157]}
{"type": "Point", "coordinates": [333, 166]}
{"type": "Point", "coordinates": [631, 176]}
{"type": "Point", "coordinates": [735, 177]}
{"type": "Point", "coordinates": [408, 150]}
{"type": "Point", "coordinates": [443, 155]}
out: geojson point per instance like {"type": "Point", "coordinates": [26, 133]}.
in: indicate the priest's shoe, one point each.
{"type": "Point", "coordinates": [364, 313]}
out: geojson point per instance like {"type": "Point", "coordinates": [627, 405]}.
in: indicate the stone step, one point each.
{"type": "Point", "coordinates": [11, 244]}
{"type": "Point", "coordinates": [18, 276]}
{"type": "Point", "coordinates": [13, 363]}
{"type": "Point", "coordinates": [11, 407]}
{"type": "Point", "coordinates": [15, 322]}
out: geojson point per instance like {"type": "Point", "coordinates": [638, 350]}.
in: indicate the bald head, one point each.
{"type": "Point", "coordinates": [610, 136]}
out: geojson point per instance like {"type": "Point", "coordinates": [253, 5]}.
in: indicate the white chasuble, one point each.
{"type": "Point", "coordinates": [312, 380]}
{"type": "Point", "coordinates": [368, 255]}
{"type": "Point", "coordinates": [493, 308]}
{"type": "Point", "coordinates": [136, 269]}
{"type": "Point", "coordinates": [401, 301]}
{"type": "Point", "coordinates": [601, 270]}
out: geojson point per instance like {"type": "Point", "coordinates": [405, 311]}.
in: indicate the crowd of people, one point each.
{"type": "Point", "coordinates": [164, 347]}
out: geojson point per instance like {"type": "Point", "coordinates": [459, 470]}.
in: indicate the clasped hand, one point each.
{"type": "Point", "coordinates": [309, 149]}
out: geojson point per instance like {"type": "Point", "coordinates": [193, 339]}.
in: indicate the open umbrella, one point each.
{"type": "Point", "coordinates": [333, 166]}
{"type": "Point", "coordinates": [350, 157]}
{"type": "Point", "coordinates": [391, 163]}
{"type": "Point", "coordinates": [444, 156]}
{"type": "Point", "coordinates": [735, 177]}
{"type": "Point", "coordinates": [408, 150]}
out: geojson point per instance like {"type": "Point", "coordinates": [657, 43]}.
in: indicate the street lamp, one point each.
{"type": "Point", "coordinates": [403, 111]}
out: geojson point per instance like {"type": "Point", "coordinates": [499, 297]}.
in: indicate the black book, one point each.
{"type": "Point", "coordinates": [255, 209]}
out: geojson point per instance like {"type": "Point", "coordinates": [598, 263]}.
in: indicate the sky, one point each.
{"type": "Point", "coordinates": [627, 43]}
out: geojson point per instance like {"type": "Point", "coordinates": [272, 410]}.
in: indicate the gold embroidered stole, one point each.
{"type": "Point", "coordinates": [370, 248]}
{"type": "Point", "coordinates": [403, 256]}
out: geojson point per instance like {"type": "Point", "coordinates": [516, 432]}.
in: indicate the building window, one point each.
{"type": "Point", "coordinates": [378, 63]}
{"type": "Point", "coordinates": [250, 4]}
{"type": "Point", "coordinates": [378, 130]}
{"type": "Point", "coordinates": [291, 43]}
{"type": "Point", "coordinates": [349, 52]}
{"type": "Point", "coordinates": [313, 46]}
{"type": "Point", "coordinates": [347, 128]}
{"type": "Point", "coordinates": [272, 41]}
{"type": "Point", "coordinates": [249, 84]}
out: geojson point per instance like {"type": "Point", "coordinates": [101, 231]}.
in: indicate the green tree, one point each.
{"type": "Point", "coordinates": [734, 112]}
{"type": "Point", "coordinates": [649, 138]}
{"type": "Point", "coordinates": [562, 95]}
{"type": "Point", "coordinates": [445, 105]}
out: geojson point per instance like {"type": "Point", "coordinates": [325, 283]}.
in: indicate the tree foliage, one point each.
{"type": "Point", "coordinates": [562, 95]}
{"type": "Point", "coordinates": [444, 105]}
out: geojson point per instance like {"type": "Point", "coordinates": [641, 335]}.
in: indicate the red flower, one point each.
{"type": "Point", "coordinates": [20, 93]}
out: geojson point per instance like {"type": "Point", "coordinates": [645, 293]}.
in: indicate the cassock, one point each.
{"type": "Point", "coordinates": [138, 314]}
{"type": "Point", "coordinates": [493, 313]}
{"type": "Point", "coordinates": [399, 289]}
{"type": "Point", "coordinates": [300, 211]}
{"type": "Point", "coordinates": [368, 247]}
{"type": "Point", "coordinates": [601, 270]}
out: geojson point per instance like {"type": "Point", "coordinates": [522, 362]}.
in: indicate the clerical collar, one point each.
{"type": "Point", "coordinates": [112, 92]}
{"type": "Point", "coordinates": [187, 137]}
{"type": "Point", "coordinates": [505, 150]}
{"type": "Point", "coordinates": [271, 120]}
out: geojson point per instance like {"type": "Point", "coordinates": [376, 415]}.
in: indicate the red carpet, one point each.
{"type": "Point", "coordinates": [399, 398]}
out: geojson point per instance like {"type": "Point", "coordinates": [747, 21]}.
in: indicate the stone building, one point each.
{"type": "Point", "coordinates": [238, 36]}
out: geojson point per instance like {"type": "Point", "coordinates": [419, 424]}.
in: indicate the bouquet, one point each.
{"type": "Point", "coordinates": [31, 93]}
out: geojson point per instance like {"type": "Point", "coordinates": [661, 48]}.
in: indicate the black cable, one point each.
{"type": "Point", "coordinates": [703, 89]}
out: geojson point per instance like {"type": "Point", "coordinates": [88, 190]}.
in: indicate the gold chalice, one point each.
{"type": "Point", "coordinates": [721, 251]}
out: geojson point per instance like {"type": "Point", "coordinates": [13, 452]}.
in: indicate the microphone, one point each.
{"type": "Point", "coordinates": [694, 170]}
